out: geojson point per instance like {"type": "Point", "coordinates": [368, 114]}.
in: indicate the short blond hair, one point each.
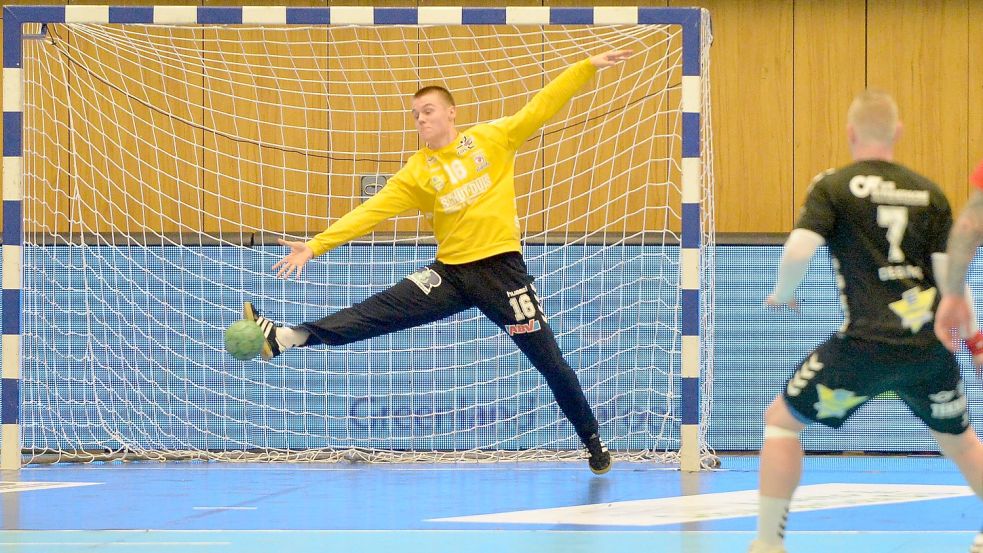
{"type": "Point", "coordinates": [874, 117]}
{"type": "Point", "coordinates": [438, 90]}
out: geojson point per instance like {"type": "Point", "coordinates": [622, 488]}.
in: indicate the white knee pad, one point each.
{"type": "Point", "coordinates": [772, 431]}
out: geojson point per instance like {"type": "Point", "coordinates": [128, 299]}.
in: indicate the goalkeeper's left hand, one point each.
{"type": "Point", "coordinates": [608, 59]}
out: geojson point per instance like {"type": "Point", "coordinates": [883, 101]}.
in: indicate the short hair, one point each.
{"type": "Point", "coordinates": [443, 92]}
{"type": "Point", "coordinates": [874, 117]}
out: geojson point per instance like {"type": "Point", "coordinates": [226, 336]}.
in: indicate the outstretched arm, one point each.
{"type": "Point", "coordinates": [555, 95]}
{"type": "Point", "coordinates": [796, 256]}
{"type": "Point", "coordinates": [394, 198]}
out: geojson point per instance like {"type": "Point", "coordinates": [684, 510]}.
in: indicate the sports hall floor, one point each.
{"type": "Point", "coordinates": [912, 504]}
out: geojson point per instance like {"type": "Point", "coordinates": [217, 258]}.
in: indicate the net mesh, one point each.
{"type": "Point", "coordinates": [161, 162]}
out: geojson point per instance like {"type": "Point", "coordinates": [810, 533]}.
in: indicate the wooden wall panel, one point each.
{"type": "Point", "coordinates": [135, 151]}
{"type": "Point", "coordinates": [612, 170]}
{"type": "Point", "coordinates": [829, 70]}
{"type": "Point", "coordinates": [371, 77]}
{"type": "Point", "coordinates": [779, 101]}
{"type": "Point", "coordinates": [975, 94]}
{"type": "Point", "coordinates": [606, 169]}
{"type": "Point", "coordinates": [264, 157]}
{"type": "Point", "coordinates": [918, 52]}
{"type": "Point", "coordinates": [47, 137]}
{"type": "Point", "coordinates": [751, 79]}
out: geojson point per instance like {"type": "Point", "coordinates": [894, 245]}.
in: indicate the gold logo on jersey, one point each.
{"type": "Point", "coordinates": [914, 308]}
{"type": "Point", "coordinates": [835, 403]}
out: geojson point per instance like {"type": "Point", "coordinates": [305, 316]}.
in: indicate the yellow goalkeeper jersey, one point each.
{"type": "Point", "coordinates": [467, 188]}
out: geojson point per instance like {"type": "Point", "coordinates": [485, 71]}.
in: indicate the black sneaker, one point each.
{"type": "Point", "coordinates": [600, 458]}
{"type": "Point", "coordinates": [270, 348]}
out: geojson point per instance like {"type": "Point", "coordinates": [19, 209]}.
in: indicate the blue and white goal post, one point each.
{"type": "Point", "coordinates": [153, 155]}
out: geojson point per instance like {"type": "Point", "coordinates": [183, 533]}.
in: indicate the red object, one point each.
{"type": "Point", "coordinates": [975, 343]}
{"type": "Point", "coordinates": [977, 176]}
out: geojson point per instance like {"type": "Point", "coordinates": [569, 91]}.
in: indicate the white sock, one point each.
{"type": "Point", "coordinates": [977, 546]}
{"type": "Point", "coordinates": [287, 337]}
{"type": "Point", "coordinates": [772, 516]}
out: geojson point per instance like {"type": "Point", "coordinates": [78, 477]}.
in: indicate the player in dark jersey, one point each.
{"type": "Point", "coordinates": [886, 228]}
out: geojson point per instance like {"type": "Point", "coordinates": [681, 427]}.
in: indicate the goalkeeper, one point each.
{"type": "Point", "coordinates": [464, 182]}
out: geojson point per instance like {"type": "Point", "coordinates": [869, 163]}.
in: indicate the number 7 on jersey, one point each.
{"type": "Point", "coordinates": [895, 219]}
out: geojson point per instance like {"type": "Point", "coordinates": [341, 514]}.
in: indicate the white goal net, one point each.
{"type": "Point", "coordinates": [161, 162]}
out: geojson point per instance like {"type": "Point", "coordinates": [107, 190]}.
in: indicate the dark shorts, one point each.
{"type": "Point", "coordinates": [843, 373]}
{"type": "Point", "coordinates": [500, 287]}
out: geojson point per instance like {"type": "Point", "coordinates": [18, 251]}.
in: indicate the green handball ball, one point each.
{"type": "Point", "coordinates": [244, 340]}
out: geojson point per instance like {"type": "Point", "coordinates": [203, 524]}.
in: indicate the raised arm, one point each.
{"type": "Point", "coordinates": [555, 95]}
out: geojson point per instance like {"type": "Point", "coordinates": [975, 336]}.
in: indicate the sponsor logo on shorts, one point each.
{"type": "Point", "coordinates": [523, 328]}
{"type": "Point", "coordinates": [948, 404]}
{"type": "Point", "coordinates": [426, 279]}
{"type": "Point", "coordinates": [802, 376]}
{"type": "Point", "coordinates": [835, 403]}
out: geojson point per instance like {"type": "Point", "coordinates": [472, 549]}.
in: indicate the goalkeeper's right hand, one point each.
{"type": "Point", "coordinates": [293, 263]}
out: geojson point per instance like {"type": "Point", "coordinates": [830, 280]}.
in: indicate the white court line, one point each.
{"type": "Point", "coordinates": [11, 487]}
{"type": "Point", "coordinates": [224, 508]}
{"type": "Point", "coordinates": [716, 506]}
